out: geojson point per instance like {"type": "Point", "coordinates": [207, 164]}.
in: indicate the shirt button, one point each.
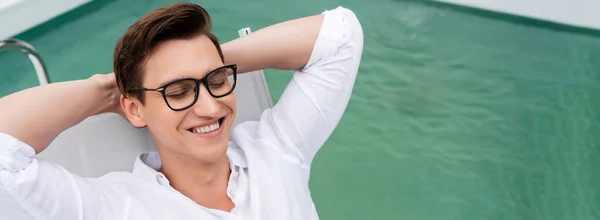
{"type": "Point", "coordinates": [235, 174]}
{"type": "Point", "coordinates": [161, 179]}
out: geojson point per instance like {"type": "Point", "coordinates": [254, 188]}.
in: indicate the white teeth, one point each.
{"type": "Point", "coordinates": [206, 129]}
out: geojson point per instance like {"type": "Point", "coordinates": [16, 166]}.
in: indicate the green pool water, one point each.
{"type": "Point", "coordinates": [455, 114]}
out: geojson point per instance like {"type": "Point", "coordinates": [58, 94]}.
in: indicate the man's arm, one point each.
{"type": "Point", "coordinates": [287, 45]}
{"type": "Point", "coordinates": [325, 50]}
{"type": "Point", "coordinates": [29, 121]}
{"type": "Point", "coordinates": [38, 115]}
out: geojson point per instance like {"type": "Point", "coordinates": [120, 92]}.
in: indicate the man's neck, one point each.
{"type": "Point", "coordinates": [204, 183]}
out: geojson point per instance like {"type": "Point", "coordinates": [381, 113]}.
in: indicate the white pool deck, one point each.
{"type": "Point", "coordinates": [17, 16]}
{"type": "Point", "coordinates": [578, 13]}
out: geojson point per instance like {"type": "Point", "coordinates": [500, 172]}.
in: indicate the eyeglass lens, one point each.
{"type": "Point", "coordinates": [181, 94]}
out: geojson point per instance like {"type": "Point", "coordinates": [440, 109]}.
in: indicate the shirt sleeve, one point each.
{"type": "Point", "coordinates": [316, 97]}
{"type": "Point", "coordinates": [35, 189]}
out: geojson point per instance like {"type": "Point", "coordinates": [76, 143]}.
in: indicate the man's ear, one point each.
{"type": "Point", "coordinates": [132, 109]}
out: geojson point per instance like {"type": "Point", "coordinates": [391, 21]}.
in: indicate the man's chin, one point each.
{"type": "Point", "coordinates": [206, 149]}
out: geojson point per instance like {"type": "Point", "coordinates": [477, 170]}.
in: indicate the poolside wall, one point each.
{"type": "Point", "coordinates": [578, 13]}
{"type": "Point", "coordinates": [17, 16]}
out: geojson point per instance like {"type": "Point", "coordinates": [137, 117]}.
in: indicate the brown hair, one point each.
{"type": "Point", "coordinates": [178, 21]}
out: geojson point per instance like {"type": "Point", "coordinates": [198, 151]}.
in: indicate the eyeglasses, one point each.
{"type": "Point", "coordinates": [183, 93]}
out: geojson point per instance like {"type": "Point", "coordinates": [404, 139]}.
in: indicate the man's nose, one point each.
{"type": "Point", "coordinates": [206, 105]}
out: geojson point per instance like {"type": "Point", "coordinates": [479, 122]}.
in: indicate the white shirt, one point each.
{"type": "Point", "coordinates": [270, 158]}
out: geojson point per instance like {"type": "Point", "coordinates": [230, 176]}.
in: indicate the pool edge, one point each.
{"type": "Point", "coordinates": [59, 20]}
{"type": "Point", "coordinates": [513, 18]}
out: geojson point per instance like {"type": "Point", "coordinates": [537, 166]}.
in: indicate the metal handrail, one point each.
{"type": "Point", "coordinates": [34, 56]}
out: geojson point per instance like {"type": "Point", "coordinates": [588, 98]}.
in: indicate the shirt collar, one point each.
{"type": "Point", "coordinates": [147, 164]}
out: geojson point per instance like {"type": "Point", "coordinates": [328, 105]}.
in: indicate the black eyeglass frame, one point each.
{"type": "Point", "coordinates": [203, 80]}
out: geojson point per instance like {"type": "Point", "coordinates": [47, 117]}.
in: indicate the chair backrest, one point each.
{"type": "Point", "coordinates": [107, 142]}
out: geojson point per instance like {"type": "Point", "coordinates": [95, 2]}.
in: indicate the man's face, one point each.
{"type": "Point", "coordinates": [184, 133]}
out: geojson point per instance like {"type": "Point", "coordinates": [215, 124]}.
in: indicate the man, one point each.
{"type": "Point", "coordinates": [172, 76]}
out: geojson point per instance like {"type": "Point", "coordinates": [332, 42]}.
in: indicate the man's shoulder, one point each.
{"type": "Point", "coordinates": [253, 131]}
{"type": "Point", "coordinates": [117, 177]}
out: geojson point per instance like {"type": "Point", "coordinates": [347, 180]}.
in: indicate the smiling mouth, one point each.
{"type": "Point", "coordinates": [208, 129]}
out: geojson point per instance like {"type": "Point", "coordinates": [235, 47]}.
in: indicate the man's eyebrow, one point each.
{"type": "Point", "coordinates": [173, 80]}
{"type": "Point", "coordinates": [185, 77]}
